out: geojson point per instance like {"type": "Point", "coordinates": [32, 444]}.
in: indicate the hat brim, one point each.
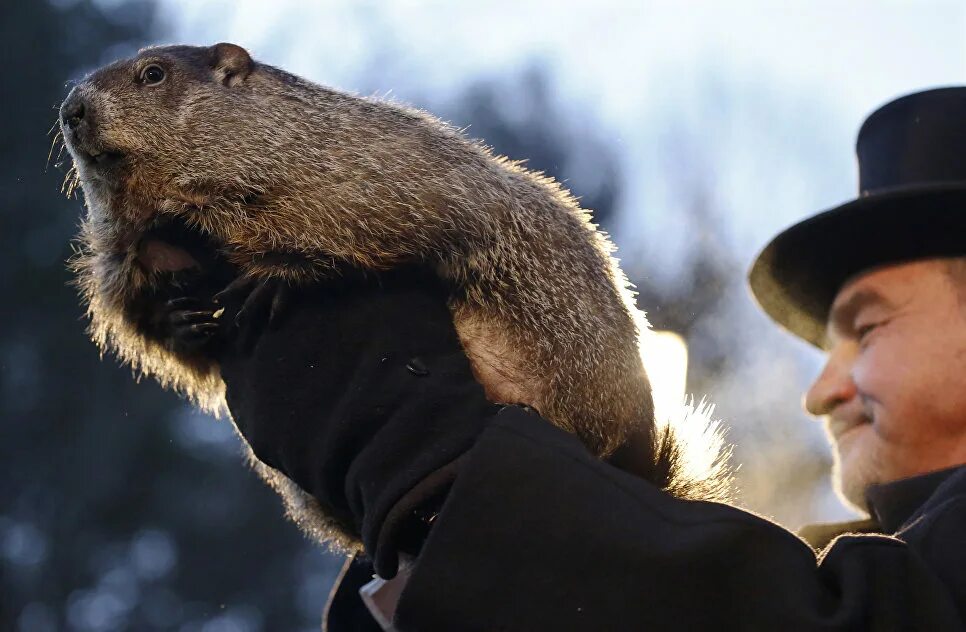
{"type": "Point", "coordinates": [796, 276]}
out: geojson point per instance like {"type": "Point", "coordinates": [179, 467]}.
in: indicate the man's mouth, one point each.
{"type": "Point", "coordinates": [839, 428]}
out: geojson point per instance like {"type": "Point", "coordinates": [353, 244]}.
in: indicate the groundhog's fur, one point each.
{"type": "Point", "coordinates": [274, 169]}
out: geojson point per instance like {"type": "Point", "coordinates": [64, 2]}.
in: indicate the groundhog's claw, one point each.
{"type": "Point", "coordinates": [262, 302]}
{"type": "Point", "coordinates": [191, 327]}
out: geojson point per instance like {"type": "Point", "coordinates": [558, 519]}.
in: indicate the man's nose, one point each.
{"type": "Point", "coordinates": [73, 109]}
{"type": "Point", "coordinates": [833, 386]}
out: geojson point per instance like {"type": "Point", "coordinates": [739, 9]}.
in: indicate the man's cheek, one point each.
{"type": "Point", "coordinates": [879, 395]}
{"type": "Point", "coordinates": [867, 379]}
{"type": "Point", "coordinates": [877, 374]}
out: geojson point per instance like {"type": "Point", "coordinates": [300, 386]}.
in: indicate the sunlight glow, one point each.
{"type": "Point", "coordinates": [665, 357]}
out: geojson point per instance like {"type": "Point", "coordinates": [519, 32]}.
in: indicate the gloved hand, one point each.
{"type": "Point", "coordinates": [360, 392]}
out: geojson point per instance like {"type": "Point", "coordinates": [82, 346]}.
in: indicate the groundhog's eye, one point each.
{"type": "Point", "coordinates": [153, 74]}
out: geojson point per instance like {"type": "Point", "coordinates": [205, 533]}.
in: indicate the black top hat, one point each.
{"type": "Point", "coordinates": [911, 205]}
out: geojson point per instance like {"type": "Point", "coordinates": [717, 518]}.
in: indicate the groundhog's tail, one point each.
{"type": "Point", "coordinates": [691, 456]}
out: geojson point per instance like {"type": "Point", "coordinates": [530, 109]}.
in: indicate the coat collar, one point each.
{"type": "Point", "coordinates": [893, 504]}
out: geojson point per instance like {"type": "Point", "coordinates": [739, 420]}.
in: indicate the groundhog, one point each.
{"type": "Point", "coordinates": [200, 166]}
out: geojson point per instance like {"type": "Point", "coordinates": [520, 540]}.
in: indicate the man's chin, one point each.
{"type": "Point", "coordinates": [851, 477]}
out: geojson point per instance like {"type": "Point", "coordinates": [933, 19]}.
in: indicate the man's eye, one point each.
{"type": "Point", "coordinates": [152, 75]}
{"type": "Point", "coordinates": [861, 331]}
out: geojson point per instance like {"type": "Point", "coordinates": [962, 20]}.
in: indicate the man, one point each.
{"type": "Point", "coordinates": [513, 525]}
{"type": "Point", "coordinates": [879, 284]}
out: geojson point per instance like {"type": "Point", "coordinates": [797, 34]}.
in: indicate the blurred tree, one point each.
{"type": "Point", "coordinates": [520, 117]}
{"type": "Point", "coordinates": [119, 508]}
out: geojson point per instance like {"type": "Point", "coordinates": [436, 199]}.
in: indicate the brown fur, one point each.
{"type": "Point", "coordinates": [265, 163]}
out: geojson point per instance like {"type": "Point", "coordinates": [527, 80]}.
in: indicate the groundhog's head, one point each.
{"type": "Point", "coordinates": [168, 131]}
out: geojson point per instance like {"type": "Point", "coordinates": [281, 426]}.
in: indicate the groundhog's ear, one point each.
{"type": "Point", "coordinates": [231, 63]}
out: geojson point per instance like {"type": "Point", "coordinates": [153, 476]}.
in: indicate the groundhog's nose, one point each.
{"type": "Point", "coordinates": [72, 111]}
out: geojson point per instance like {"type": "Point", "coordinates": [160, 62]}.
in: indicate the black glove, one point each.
{"type": "Point", "coordinates": [360, 392]}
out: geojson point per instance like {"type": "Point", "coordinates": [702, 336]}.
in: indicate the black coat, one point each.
{"type": "Point", "coordinates": [537, 534]}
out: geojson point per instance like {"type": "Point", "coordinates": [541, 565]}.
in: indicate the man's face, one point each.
{"type": "Point", "coordinates": [893, 390]}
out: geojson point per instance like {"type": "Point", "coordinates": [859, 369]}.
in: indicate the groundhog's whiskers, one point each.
{"type": "Point", "coordinates": [57, 142]}
{"type": "Point", "coordinates": [71, 182]}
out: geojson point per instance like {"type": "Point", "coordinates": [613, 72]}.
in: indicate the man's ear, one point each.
{"type": "Point", "coordinates": [230, 63]}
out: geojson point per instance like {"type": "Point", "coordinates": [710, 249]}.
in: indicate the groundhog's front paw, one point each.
{"type": "Point", "coordinates": [255, 303]}
{"type": "Point", "coordinates": [192, 326]}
